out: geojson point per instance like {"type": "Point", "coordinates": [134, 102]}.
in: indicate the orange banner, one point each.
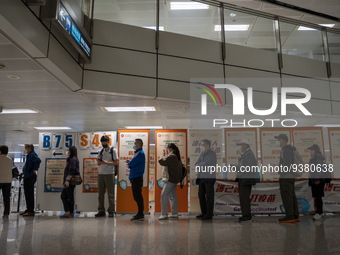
{"type": "Point", "coordinates": [164, 137]}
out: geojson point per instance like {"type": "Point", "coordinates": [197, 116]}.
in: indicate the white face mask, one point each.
{"type": "Point", "coordinates": [202, 148]}
{"type": "Point", "coordinates": [67, 153]}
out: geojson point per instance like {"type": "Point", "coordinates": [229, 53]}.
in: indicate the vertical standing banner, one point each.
{"type": "Point", "coordinates": [305, 137]}
{"type": "Point", "coordinates": [152, 176]}
{"type": "Point", "coordinates": [90, 175]}
{"type": "Point", "coordinates": [54, 174]}
{"type": "Point", "coordinates": [334, 146]}
{"type": "Point", "coordinates": [126, 139]}
{"type": "Point", "coordinates": [232, 151]}
{"type": "Point", "coordinates": [194, 142]}
{"type": "Point", "coordinates": [163, 138]}
{"type": "Point", "coordinates": [270, 149]}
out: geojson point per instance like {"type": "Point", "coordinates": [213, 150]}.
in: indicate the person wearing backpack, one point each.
{"type": "Point", "coordinates": [246, 180]}
{"type": "Point", "coordinates": [316, 182]}
{"type": "Point", "coordinates": [287, 181]}
{"type": "Point", "coordinates": [206, 180]}
{"type": "Point", "coordinates": [107, 161]}
{"type": "Point", "coordinates": [173, 163]}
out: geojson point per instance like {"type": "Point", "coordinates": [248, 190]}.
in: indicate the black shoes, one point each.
{"type": "Point", "coordinates": [244, 219]}
{"type": "Point", "coordinates": [100, 214]}
{"type": "Point", "coordinates": [203, 217]}
{"type": "Point", "coordinates": [111, 214]}
{"type": "Point", "coordinates": [137, 218]}
{"type": "Point", "coordinates": [200, 216]}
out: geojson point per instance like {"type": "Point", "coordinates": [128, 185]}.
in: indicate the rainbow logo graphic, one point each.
{"type": "Point", "coordinates": [211, 93]}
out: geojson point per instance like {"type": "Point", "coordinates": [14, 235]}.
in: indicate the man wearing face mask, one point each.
{"type": "Point", "coordinates": [107, 160]}
{"type": "Point", "coordinates": [30, 177]}
{"type": "Point", "coordinates": [246, 179]}
{"type": "Point", "coordinates": [206, 180]}
{"type": "Point", "coordinates": [137, 167]}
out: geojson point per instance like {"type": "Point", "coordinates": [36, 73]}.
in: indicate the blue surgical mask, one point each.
{"type": "Point", "coordinates": [135, 147]}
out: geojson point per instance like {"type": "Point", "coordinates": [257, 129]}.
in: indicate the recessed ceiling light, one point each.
{"type": "Point", "coordinates": [327, 125]}
{"type": "Point", "coordinates": [232, 14]}
{"type": "Point", "coordinates": [188, 6]}
{"type": "Point", "coordinates": [144, 127]}
{"type": "Point", "coordinates": [18, 111]}
{"type": "Point", "coordinates": [52, 128]}
{"type": "Point", "coordinates": [13, 77]}
{"type": "Point", "coordinates": [232, 28]}
{"type": "Point", "coordinates": [154, 28]}
{"type": "Point", "coordinates": [131, 109]}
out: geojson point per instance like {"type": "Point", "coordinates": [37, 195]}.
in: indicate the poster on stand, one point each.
{"type": "Point", "coordinates": [54, 174]}
{"type": "Point", "coordinates": [232, 151]}
{"type": "Point", "coordinates": [90, 175]}
{"type": "Point", "coordinates": [334, 146]}
{"type": "Point", "coordinates": [270, 150]}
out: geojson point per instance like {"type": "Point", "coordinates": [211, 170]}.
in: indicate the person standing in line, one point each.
{"type": "Point", "coordinates": [173, 163]}
{"type": "Point", "coordinates": [137, 168]}
{"type": "Point", "coordinates": [6, 165]}
{"type": "Point", "coordinates": [67, 195]}
{"type": "Point", "coordinates": [107, 161]}
{"type": "Point", "coordinates": [287, 181]}
{"type": "Point", "coordinates": [316, 182]}
{"type": "Point", "coordinates": [206, 180]}
{"type": "Point", "coordinates": [30, 170]}
{"type": "Point", "coordinates": [246, 180]}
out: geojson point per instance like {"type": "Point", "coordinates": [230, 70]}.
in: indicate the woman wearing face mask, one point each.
{"type": "Point", "coordinates": [316, 182]}
{"type": "Point", "coordinates": [174, 165]}
{"type": "Point", "coordinates": [72, 168]}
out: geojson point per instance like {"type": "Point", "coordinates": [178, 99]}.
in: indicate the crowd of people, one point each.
{"type": "Point", "coordinates": [172, 173]}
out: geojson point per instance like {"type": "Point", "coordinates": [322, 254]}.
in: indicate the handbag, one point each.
{"type": "Point", "coordinates": [76, 180]}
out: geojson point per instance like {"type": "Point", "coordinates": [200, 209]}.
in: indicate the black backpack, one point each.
{"type": "Point", "coordinates": [184, 174]}
{"type": "Point", "coordinates": [111, 152]}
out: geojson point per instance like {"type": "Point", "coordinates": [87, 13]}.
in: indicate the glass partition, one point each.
{"type": "Point", "coordinates": [334, 47]}
{"type": "Point", "coordinates": [249, 30]}
{"type": "Point", "coordinates": [190, 18]}
{"type": "Point", "coordinates": [141, 13]}
{"type": "Point", "coordinates": [301, 41]}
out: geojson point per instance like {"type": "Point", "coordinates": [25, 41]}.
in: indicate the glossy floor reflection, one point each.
{"type": "Point", "coordinates": [47, 234]}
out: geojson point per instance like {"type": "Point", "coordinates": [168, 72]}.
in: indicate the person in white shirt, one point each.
{"type": "Point", "coordinates": [6, 165]}
{"type": "Point", "coordinates": [107, 161]}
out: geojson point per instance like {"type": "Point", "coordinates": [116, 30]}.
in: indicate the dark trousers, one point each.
{"type": "Point", "coordinates": [206, 197]}
{"type": "Point", "coordinates": [67, 196]}
{"type": "Point", "coordinates": [289, 198]}
{"type": "Point", "coordinates": [244, 193]}
{"type": "Point", "coordinates": [137, 184]}
{"type": "Point", "coordinates": [318, 205]}
{"type": "Point", "coordinates": [29, 192]}
{"type": "Point", "coordinates": [6, 195]}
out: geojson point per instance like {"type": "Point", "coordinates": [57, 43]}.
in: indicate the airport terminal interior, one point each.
{"type": "Point", "coordinates": [221, 76]}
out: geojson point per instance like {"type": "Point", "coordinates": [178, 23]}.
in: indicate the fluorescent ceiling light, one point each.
{"type": "Point", "coordinates": [52, 128]}
{"type": "Point", "coordinates": [327, 125]}
{"type": "Point", "coordinates": [144, 127]}
{"type": "Point", "coordinates": [232, 28]}
{"type": "Point", "coordinates": [188, 6]}
{"type": "Point", "coordinates": [14, 111]}
{"type": "Point", "coordinates": [22, 145]}
{"type": "Point", "coordinates": [154, 28]}
{"type": "Point", "coordinates": [131, 109]}
{"type": "Point", "coordinates": [302, 28]}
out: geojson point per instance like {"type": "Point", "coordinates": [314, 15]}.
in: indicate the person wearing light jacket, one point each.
{"type": "Point", "coordinates": [6, 165]}
{"type": "Point", "coordinates": [173, 164]}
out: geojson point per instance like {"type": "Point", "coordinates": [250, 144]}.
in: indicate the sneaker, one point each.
{"type": "Point", "coordinates": [100, 214]}
{"type": "Point", "coordinates": [200, 216]}
{"type": "Point", "coordinates": [111, 214]}
{"type": "Point", "coordinates": [28, 214]}
{"type": "Point", "coordinates": [244, 219]}
{"type": "Point", "coordinates": [163, 217]}
{"type": "Point", "coordinates": [137, 218]}
{"type": "Point", "coordinates": [173, 216]}
{"type": "Point", "coordinates": [317, 216]}
{"type": "Point", "coordinates": [22, 213]}
{"type": "Point", "coordinates": [286, 220]}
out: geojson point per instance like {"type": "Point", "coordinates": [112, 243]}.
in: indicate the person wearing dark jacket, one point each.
{"type": "Point", "coordinates": [173, 163]}
{"type": "Point", "coordinates": [30, 177]}
{"type": "Point", "coordinates": [287, 181]}
{"type": "Point", "coordinates": [316, 182]}
{"type": "Point", "coordinates": [67, 195]}
{"type": "Point", "coordinates": [206, 180]}
{"type": "Point", "coordinates": [246, 179]}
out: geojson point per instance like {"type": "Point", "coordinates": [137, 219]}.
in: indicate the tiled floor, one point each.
{"type": "Point", "coordinates": [47, 234]}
